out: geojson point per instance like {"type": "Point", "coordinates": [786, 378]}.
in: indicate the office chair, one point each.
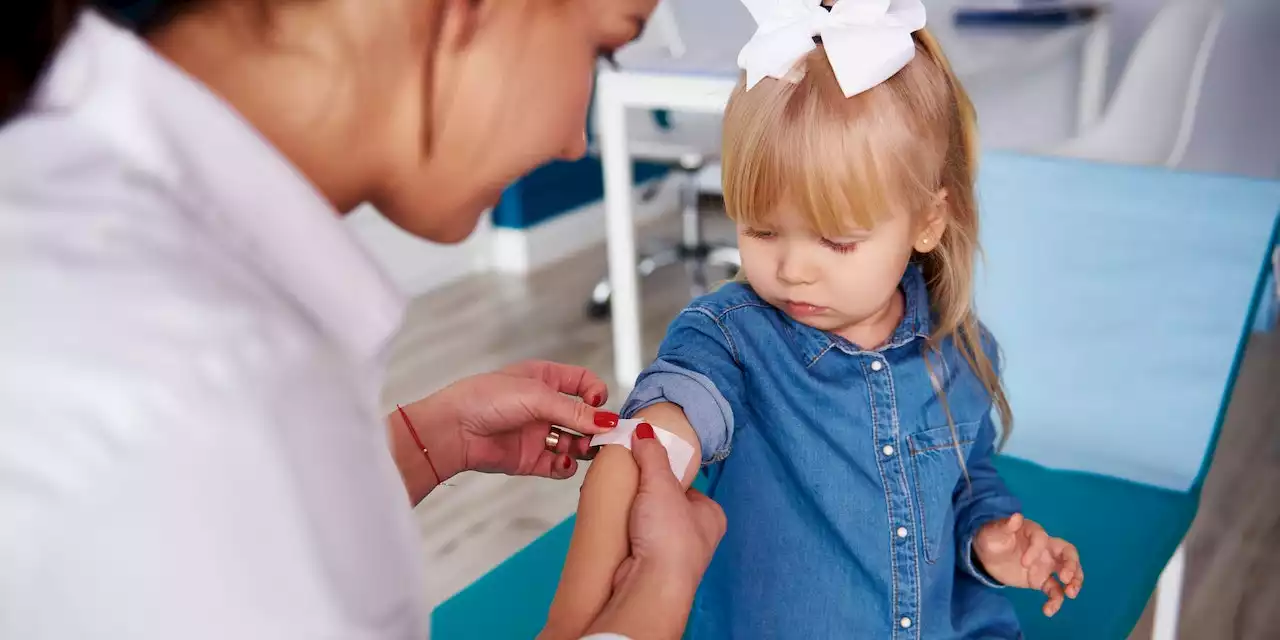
{"type": "Point", "coordinates": [686, 146]}
{"type": "Point", "coordinates": [1150, 117]}
{"type": "Point", "coordinates": [700, 257]}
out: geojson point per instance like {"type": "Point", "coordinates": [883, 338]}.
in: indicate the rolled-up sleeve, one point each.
{"type": "Point", "coordinates": [697, 370]}
{"type": "Point", "coordinates": [982, 499]}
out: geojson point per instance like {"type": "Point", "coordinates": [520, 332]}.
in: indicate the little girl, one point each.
{"type": "Point", "coordinates": [840, 395]}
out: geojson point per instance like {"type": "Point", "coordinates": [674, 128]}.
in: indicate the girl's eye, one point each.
{"type": "Point", "coordinates": [839, 247]}
{"type": "Point", "coordinates": [759, 234]}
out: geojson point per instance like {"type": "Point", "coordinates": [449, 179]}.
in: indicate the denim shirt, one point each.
{"type": "Point", "coordinates": [849, 513]}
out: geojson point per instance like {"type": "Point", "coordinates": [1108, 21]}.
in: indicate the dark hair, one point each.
{"type": "Point", "coordinates": [31, 30]}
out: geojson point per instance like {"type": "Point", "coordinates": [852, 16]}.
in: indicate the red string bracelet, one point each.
{"type": "Point", "coordinates": [418, 441]}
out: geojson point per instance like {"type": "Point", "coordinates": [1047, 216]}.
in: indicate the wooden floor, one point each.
{"type": "Point", "coordinates": [484, 322]}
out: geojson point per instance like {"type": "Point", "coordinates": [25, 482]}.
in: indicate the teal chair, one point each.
{"type": "Point", "coordinates": [1118, 413]}
{"type": "Point", "coordinates": [1124, 530]}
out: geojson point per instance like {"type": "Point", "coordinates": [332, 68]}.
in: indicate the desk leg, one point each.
{"type": "Point", "coordinates": [1093, 74]}
{"type": "Point", "coordinates": [620, 230]}
{"type": "Point", "coordinates": [1169, 597]}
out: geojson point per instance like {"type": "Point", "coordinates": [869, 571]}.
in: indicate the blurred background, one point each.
{"type": "Point", "coordinates": [1140, 91]}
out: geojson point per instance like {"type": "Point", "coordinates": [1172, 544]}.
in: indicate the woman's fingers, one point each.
{"type": "Point", "coordinates": [556, 466]}
{"type": "Point", "coordinates": [574, 445]}
{"type": "Point", "coordinates": [708, 516]}
{"type": "Point", "coordinates": [1052, 589]}
{"type": "Point", "coordinates": [582, 449]}
{"type": "Point", "coordinates": [535, 402]}
{"type": "Point", "coordinates": [564, 378]}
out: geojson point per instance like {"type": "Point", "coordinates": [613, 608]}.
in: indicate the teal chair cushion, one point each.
{"type": "Point", "coordinates": [1125, 531]}
{"type": "Point", "coordinates": [512, 600]}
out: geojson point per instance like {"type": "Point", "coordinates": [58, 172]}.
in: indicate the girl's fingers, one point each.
{"type": "Point", "coordinates": [1075, 572]}
{"type": "Point", "coordinates": [1077, 581]}
{"type": "Point", "coordinates": [1002, 538]}
{"type": "Point", "coordinates": [1036, 547]}
{"type": "Point", "coordinates": [1040, 571]}
{"type": "Point", "coordinates": [1052, 589]}
{"type": "Point", "coordinates": [1014, 523]}
{"type": "Point", "coordinates": [1069, 570]}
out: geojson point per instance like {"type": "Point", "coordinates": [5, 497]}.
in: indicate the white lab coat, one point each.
{"type": "Point", "coordinates": [191, 353]}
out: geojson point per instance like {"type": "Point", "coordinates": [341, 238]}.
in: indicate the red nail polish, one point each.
{"type": "Point", "coordinates": [567, 463]}
{"type": "Point", "coordinates": [596, 400]}
{"type": "Point", "coordinates": [606, 420]}
{"type": "Point", "coordinates": [644, 431]}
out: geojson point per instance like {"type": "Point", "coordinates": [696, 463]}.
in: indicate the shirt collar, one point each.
{"type": "Point", "coordinates": [814, 343]}
{"type": "Point", "coordinates": [219, 168]}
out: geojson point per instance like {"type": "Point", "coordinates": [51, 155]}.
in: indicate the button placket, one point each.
{"type": "Point", "coordinates": [880, 379]}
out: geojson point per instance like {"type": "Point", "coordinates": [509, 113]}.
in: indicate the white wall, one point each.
{"type": "Point", "coordinates": [418, 266]}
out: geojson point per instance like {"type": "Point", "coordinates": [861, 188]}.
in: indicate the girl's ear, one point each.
{"type": "Point", "coordinates": [934, 224]}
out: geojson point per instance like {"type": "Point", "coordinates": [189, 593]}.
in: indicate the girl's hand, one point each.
{"type": "Point", "coordinates": [1017, 552]}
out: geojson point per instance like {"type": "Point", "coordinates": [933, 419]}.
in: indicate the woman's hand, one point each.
{"type": "Point", "coordinates": [671, 528]}
{"type": "Point", "coordinates": [1017, 552]}
{"type": "Point", "coordinates": [498, 423]}
{"type": "Point", "coordinates": [673, 535]}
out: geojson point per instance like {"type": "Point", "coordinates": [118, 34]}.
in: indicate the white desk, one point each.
{"type": "Point", "coordinates": [1028, 84]}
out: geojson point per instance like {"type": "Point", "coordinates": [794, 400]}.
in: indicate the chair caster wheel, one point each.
{"type": "Point", "coordinates": [598, 310]}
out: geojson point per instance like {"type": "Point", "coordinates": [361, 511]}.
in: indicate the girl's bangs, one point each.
{"type": "Point", "coordinates": [844, 164]}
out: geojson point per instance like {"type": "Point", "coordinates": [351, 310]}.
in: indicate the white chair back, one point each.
{"type": "Point", "coordinates": [1150, 117]}
{"type": "Point", "coordinates": [1237, 130]}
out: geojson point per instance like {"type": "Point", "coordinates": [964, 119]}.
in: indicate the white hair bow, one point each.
{"type": "Point", "coordinates": [867, 41]}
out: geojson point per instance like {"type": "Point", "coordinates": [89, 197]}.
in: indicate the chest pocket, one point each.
{"type": "Point", "coordinates": [937, 472]}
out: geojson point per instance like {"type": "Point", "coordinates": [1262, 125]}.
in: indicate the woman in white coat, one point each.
{"type": "Point", "coordinates": [192, 346]}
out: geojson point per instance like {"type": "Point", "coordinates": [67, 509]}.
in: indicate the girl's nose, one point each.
{"type": "Point", "coordinates": [794, 270]}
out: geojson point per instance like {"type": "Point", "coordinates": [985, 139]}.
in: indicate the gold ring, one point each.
{"type": "Point", "coordinates": [552, 441]}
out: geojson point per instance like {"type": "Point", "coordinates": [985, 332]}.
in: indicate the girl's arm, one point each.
{"type": "Point", "coordinates": [692, 389]}
{"type": "Point", "coordinates": [980, 499]}
{"type": "Point", "coordinates": [600, 541]}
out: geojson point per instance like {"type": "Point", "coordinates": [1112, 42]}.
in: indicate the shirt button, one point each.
{"type": "Point", "coordinates": [876, 365]}
{"type": "Point", "coordinates": [902, 532]}
{"type": "Point", "coordinates": [888, 450]}
{"type": "Point", "coordinates": [906, 623]}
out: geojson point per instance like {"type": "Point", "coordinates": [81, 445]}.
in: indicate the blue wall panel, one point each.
{"type": "Point", "coordinates": [556, 188]}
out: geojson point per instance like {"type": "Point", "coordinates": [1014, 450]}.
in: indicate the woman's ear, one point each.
{"type": "Point", "coordinates": [934, 224]}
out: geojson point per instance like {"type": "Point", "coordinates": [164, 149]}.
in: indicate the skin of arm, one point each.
{"type": "Point", "coordinates": [599, 543]}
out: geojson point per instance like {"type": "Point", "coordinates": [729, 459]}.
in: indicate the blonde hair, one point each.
{"type": "Point", "coordinates": [849, 162]}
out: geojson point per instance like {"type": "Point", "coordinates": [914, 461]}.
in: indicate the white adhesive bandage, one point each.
{"type": "Point", "coordinates": [679, 452]}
